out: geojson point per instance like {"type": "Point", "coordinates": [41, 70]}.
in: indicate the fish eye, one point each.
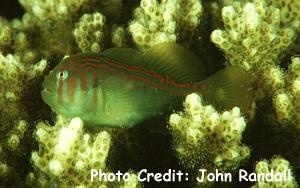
{"type": "Point", "coordinates": [62, 75]}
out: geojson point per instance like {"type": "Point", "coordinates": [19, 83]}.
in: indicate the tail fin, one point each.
{"type": "Point", "coordinates": [228, 88]}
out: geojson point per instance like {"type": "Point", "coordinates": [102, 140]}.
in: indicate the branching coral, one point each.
{"type": "Point", "coordinates": [279, 166]}
{"type": "Point", "coordinates": [156, 22]}
{"type": "Point", "coordinates": [287, 101]}
{"type": "Point", "coordinates": [112, 9]}
{"type": "Point", "coordinates": [5, 169]}
{"type": "Point", "coordinates": [67, 154]}
{"type": "Point", "coordinates": [11, 149]}
{"type": "Point", "coordinates": [18, 72]}
{"type": "Point", "coordinates": [51, 10]}
{"type": "Point", "coordinates": [14, 77]}
{"type": "Point", "coordinates": [204, 138]}
{"type": "Point", "coordinates": [289, 12]}
{"type": "Point", "coordinates": [6, 34]}
{"type": "Point", "coordinates": [254, 39]}
{"type": "Point", "coordinates": [118, 37]}
{"type": "Point", "coordinates": [89, 32]}
{"type": "Point", "coordinates": [16, 135]}
{"type": "Point", "coordinates": [52, 23]}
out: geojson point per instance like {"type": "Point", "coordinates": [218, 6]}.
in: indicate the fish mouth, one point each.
{"type": "Point", "coordinates": [46, 95]}
{"type": "Point", "coordinates": [47, 90]}
{"type": "Point", "coordinates": [46, 87]}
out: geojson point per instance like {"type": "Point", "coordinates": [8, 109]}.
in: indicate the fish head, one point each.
{"type": "Point", "coordinates": [62, 89]}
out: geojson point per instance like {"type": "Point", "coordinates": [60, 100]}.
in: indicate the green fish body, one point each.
{"type": "Point", "coordinates": [121, 87]}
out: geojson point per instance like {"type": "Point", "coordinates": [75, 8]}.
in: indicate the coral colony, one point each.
{"type": "Point", "coordinates": [239, 128]}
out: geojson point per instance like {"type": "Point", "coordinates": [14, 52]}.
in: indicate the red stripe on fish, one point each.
{"type": "Point", "coordinates": [110, 65]}
{"type": "Point", "coordinates": [79, 71]}
{"type": "Point", "coordinates": [141, 70]}
{"type": "Point", "coordinates": [60, 91]}
{"type": "Point", "coordinates": [83, 82]}
{"type": "Point", "coordinates": [71, 89]}
{"type": "Point", "coordinates": [112, 70]}
{"type": "Point", "coordinates": [87, 69]}
{"type": "Point", "coordinates": [95, 100]}
{"type": "Point", "coordinates": [132, 68]}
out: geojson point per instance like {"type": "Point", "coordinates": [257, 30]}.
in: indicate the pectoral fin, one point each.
{"type": "Point", "coordinates": [119, 105]}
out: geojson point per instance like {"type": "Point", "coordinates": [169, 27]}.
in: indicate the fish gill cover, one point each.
{"type": "Point", "coordinates": [193, 139]}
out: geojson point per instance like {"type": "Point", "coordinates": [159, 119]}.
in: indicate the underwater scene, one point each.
{"type": "Point", "coordinates": [150, 93]}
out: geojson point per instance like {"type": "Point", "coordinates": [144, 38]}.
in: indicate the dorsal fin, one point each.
{"type": "Point", "coordinates": [166, 58]}
{"type": "Point", "coordinates": [175, 61]}
{"type": "Point", "coordinates": [123, 55]}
